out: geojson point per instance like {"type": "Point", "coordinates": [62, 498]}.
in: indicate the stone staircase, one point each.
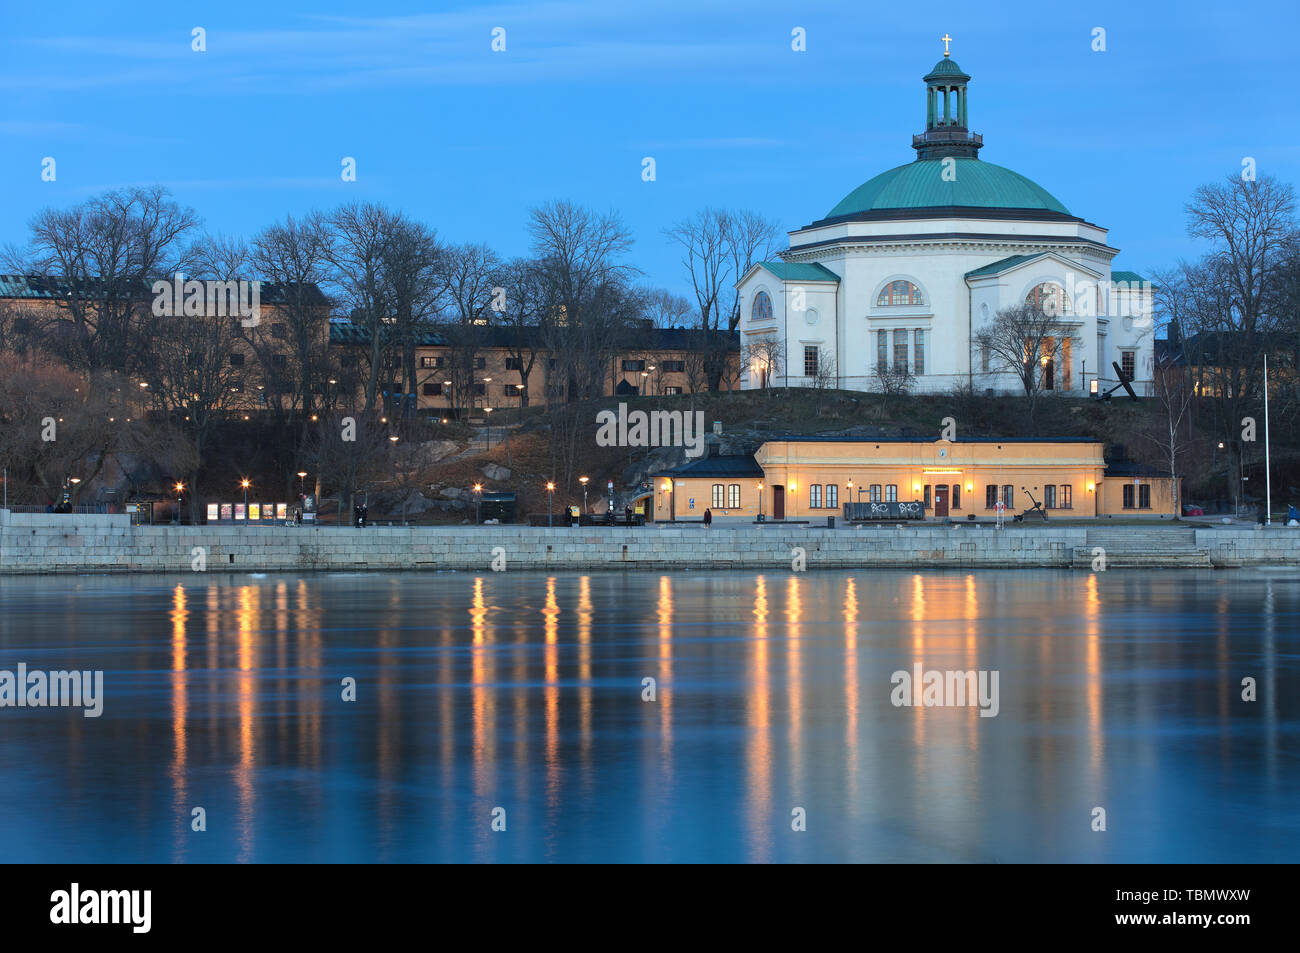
{"type": "Point", "coordinates": [1141, 547]}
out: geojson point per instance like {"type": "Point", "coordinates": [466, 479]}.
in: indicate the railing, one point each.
{"type": "Point", "coordinates": [79, 508]}
{"type": "Point", "coordinates": [859, 512]}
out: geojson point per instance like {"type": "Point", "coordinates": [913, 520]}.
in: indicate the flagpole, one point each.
{"type": "Point", "coordinates": [1268, 483]}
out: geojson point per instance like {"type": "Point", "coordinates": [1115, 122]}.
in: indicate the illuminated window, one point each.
{"type": "Point", "coordinates": [733, 496]}
{"type": "Point", "coordinates": [718, 491]}
{"type": "Point", "coordinates": [1049, 298]}
{"type": "Point", "coordinates": [832, 496]}
{"type": "Point", "coordinates": [898, 293]}
{"type": "Point", "coordinates": [762, 307]}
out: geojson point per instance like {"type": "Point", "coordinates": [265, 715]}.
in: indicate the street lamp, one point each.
{"type": "Point", "coordinates": [583, 481]}
{"type": "Point", "coordinates": [180, 488]}
{"type": "Point", "coordinates": [760, 501]}
{"type": "Point", "coordinates": [302, 475]}
{"type": "Point", "coordinates": [487, 428]}
{"type": "Point", "coordinates": [392, 438]}
{"type": "Point", "coordinates": [478, 494]}
{"type": "Point", "coordinates": [244, 484]}
{"type": "Point", "coordinates": [550, 504]}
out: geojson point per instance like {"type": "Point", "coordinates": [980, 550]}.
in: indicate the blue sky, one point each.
{"type": "Point", "coordinates": [467, 139]}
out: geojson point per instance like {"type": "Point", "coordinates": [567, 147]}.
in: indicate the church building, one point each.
{"type": "Point", "coordinates": [893, 287]}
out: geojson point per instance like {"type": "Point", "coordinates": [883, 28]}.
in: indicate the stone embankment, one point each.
{"type": "Point", "coordinates": [49, 543]}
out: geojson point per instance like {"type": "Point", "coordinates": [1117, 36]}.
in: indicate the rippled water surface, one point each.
{"type": "Point", "coordinates": [1119, 690]}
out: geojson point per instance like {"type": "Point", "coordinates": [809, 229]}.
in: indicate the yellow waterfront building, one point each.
{"type": "Point", "coordinates": [807, 478]}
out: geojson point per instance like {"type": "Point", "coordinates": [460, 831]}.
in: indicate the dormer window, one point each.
{"type": "Point", "coordinates": [762, 307]}
{"type": "Point", "coordinates": [899, 293]}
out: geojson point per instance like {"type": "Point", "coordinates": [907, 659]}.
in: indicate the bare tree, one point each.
{"type": "Point", "coordinates": [718, 247]}
{"type": "Point", "coordinates": [103, 257]}
{"type": "Point", "coordinates": [359, 244]}
{"type": "Point", "coordinates": [579, 252]}
{"type": "Point", "coordinates": [472, 275]}
{"type": "Point", "coordinates": [894, 380]}
{"type": "Point", "coordinates": [415, 278]}
{"type": "Point", "coordinates": [1229, 307]}
{"type": "Point", "coordinates": [1027, 341]}
{"type": "Point", "coordinates": [528, 316]}
{"type": "Point", "coordinates": [193, 378]}
{"type": "Point", "coordinates": [56, 424]}
{"type": "Point", "coordinates": [348, 452]}
{"type": "Point", "coordinates": [764, 356]}
{"type": "Point", "coordinates": [1174, 394]}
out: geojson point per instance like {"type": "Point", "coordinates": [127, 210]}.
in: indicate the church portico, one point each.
{"type": "Point", "coordinates": [895, 286]}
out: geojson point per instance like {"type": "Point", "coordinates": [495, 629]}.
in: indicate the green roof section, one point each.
{"type": "Point", "coordinates": [1132, 277]}
{"type": "Point", "coordinates": [799, 271]}
{"type": "Point", "coordinates": [997, 267]}
{"type": "Point", "coordinates": [946, 67]}
{"type": "Point", "coordinates": [971, 183]}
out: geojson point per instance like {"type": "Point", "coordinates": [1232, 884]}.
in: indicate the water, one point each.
{"type": "Point", "coordinates": [1117, 690]}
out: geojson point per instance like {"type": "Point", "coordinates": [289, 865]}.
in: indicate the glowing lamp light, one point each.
{"type": "Point", "coordinates": [1091, 487]}
{"type": "Point", "coordinates": [970, 487]}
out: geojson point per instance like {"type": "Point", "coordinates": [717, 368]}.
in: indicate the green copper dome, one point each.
{"type": "Point", "coordinates": [922, 184]}
{"type": "Point", "coordinates": [945, 67]}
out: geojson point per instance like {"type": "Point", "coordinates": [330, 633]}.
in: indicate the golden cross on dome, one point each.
{"type": "Point", "coordinates": [946, 40]}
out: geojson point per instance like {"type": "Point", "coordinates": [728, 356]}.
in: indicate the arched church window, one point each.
{"type": "Point", "coordinates": [762, 307]}
{"type": "Point", "coordinates": [1050, 298]}
{"type": "Point", "coordinates": [898, 293]}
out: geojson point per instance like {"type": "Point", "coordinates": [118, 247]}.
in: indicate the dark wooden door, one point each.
{"type": "Point", "coordinates": [778, 502]}
{"type": "Point", "coordinates": [941, 500]}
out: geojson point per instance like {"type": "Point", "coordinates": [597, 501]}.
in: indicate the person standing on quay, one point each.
{"type": "Point", "coordinates": [708, 518]}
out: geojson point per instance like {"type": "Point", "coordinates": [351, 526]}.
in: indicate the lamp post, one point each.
{"type": "Point", "coordinates": [244, 484]}
{"type": "Point", "coordinates": [302, 475]}
{"type": "Point", "coordinates": [583, 481]}
{"type": "Point", "coordinates": [487, 427]}
{"type": "Point", "coordinates": [392, 438]}
{"type": "Point", "coordinates": [760, 502]}
{"type": "Point", "coordinates": [550, 504]}
{"type": "Point", "coordinates": [180, 488]}
{"type": "Point", "coordinates": [478, 495]}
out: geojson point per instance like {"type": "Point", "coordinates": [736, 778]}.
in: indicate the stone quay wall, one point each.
{"type": "Point", "coordinates": [58, 543]}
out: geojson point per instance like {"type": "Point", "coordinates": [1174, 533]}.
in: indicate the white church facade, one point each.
{"type": "Point", "coordinates": [898, 280]}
